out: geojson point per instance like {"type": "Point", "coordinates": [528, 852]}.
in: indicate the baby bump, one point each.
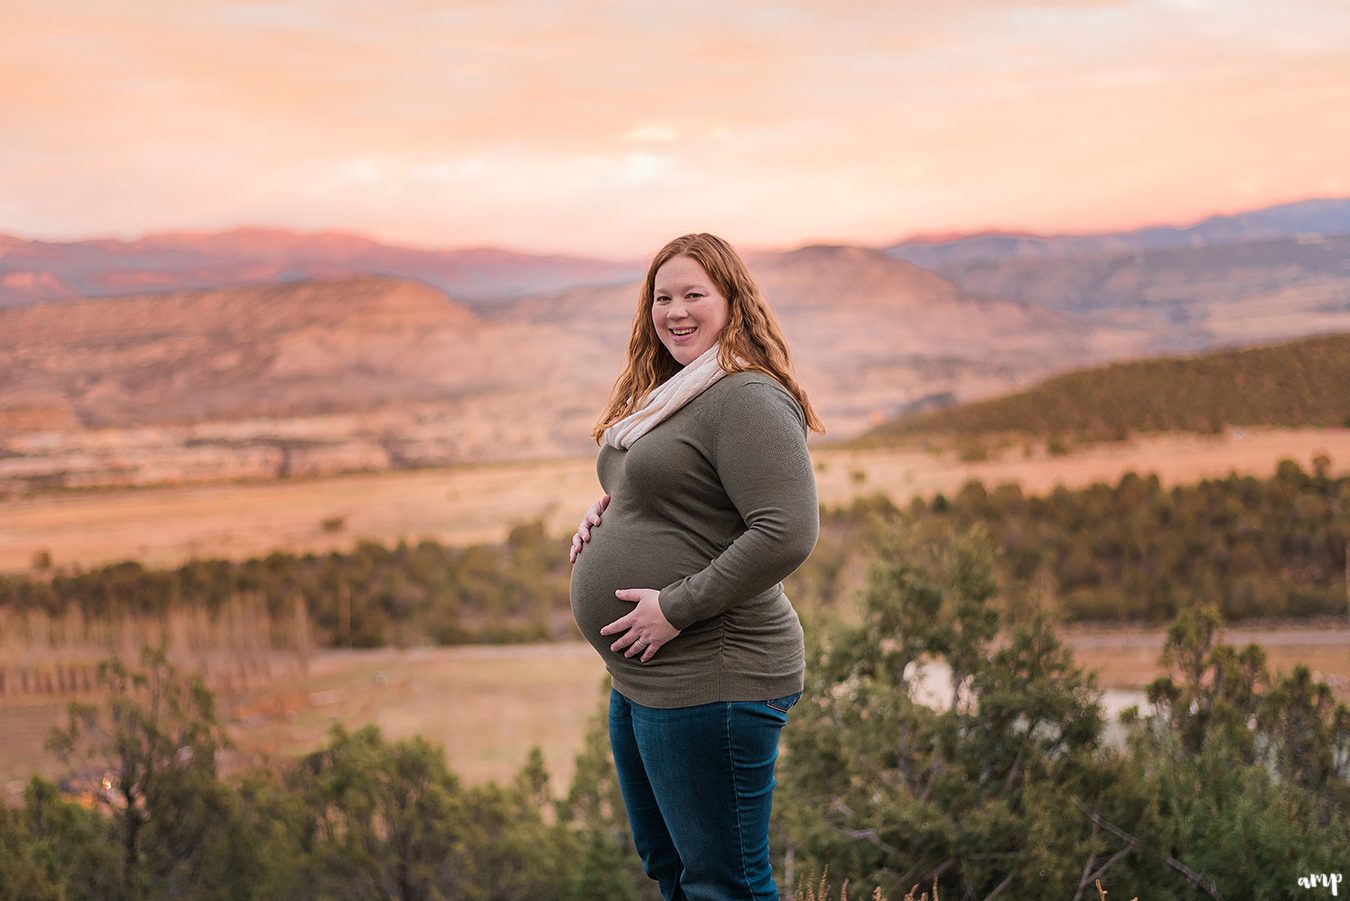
{"type": "Point", "coordinates": [618, 557]}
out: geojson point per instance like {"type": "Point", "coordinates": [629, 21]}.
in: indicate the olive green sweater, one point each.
{"type": "Point", "coordinates": [713, 507]}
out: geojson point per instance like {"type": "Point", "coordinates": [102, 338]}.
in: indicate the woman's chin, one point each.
{"type": "Point", "coordinates": [679, 355]}
{"type": "Point", "coordinates": [685, 355]}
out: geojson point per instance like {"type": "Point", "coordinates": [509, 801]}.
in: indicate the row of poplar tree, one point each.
{"type": "Point", "coordinates": [1133, 551]}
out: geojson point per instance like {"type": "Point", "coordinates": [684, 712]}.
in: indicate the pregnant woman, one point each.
{"type": "Point", "coordinates": [710, 501]}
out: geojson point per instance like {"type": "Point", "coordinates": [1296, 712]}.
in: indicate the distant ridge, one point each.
{"type": "Point", "coordinates": [1301, 383]}
{"type": "Point", "coordinates": [481, 277]}
{"type": "Point", "coordinates": [1306, 218]}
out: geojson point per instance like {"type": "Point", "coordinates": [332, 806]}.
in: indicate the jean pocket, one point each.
{"type": "Point", "coordinates": [784, 704]}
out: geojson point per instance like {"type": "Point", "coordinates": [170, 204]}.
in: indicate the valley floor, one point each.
{"type": "Point", "coordinates": [167, 525]}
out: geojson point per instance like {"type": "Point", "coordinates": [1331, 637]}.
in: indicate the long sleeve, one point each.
{"type": "Point", "coordinates": [761, 459]}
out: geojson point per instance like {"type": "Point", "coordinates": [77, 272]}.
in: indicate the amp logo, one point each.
{"type": "Point", "coordinates": [1321, 880]}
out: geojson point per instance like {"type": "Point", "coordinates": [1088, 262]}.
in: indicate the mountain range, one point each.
{"type": "Point", "coordinates": [1306, 220]}
{"type": "Point", "coordinates": [39, 270]}
{"type": "Point", "coordinates": [303, 358]}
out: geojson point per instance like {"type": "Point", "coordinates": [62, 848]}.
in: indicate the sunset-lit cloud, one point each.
{"type": "Point", "coordinates": [603, 127]}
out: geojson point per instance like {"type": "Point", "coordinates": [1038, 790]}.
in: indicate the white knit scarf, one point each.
{"type": "Point", "coordinates": [666, 400]}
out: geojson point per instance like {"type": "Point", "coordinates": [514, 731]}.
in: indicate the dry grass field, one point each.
{"type": "Point", "coordinates": [485, 705]}
{"type": "Point", "coordinates": [488, 705]}
{"type": "Point", "coordinates": [164, 526]}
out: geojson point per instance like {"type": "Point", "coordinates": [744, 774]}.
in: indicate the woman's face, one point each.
{"type": "Point", "coordinates": [687, 309]}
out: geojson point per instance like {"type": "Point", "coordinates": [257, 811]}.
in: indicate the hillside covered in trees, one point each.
{"type": "Point", "coordinates": [1137, 551]}
{"type": "Point", "coordinates": [1301, 383]}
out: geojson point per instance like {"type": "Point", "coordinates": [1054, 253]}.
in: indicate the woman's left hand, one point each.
{"type": "Point", "coordinates": [645, 629]}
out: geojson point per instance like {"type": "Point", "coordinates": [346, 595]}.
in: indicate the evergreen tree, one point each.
{"type": "Point", "coordinates": [923, 750]}
{"type": "Point", "coordinates": [148, 753]}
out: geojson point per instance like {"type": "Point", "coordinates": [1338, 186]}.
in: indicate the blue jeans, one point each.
{"type": "Point", "coordinates": [698, 785]}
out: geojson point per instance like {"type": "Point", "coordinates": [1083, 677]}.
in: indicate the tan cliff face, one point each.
{"type": "Point", "coordinates": [875, 333]}
{"type": "Point", "coordinates": [373, 373]}
{"type": "Point", "coordinates": [386, 373]}
{"type": "Point", "coordinates": [227, 353]}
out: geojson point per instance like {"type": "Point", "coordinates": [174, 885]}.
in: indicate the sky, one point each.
{"type": "Point", "coordinates": [605, 127]}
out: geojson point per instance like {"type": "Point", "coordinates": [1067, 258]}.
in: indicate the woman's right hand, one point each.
{"type": "Point", "coordinates": [583, 535]}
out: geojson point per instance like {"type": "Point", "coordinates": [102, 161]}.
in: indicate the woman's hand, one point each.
{"type": "Point", "coordinates": [646, 627]}
{"type": "Point", "coordinates": [583, 535]}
